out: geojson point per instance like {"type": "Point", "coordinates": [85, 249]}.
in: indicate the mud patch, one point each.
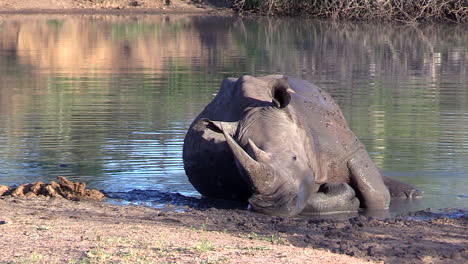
{"type": "Point", "coordinates": [419, 237]}
{"type": "Point", "coordinates": [170, 201]}
{"type": "Point", "coordinates": [398, 240]}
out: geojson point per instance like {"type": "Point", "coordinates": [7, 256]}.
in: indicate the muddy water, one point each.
{"type": "Point", "coordinates": [107, 99]}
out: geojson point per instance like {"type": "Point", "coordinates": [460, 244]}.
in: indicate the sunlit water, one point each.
{"type": "Point", "coordinates": [107, 99]}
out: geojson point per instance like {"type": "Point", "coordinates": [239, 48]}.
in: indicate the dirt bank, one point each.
{"type": "Point", "coordinates": [55, 230]}
{"type": "Point", "coordinates": [115, 6]}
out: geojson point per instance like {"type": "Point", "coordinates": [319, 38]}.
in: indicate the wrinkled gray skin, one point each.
{"type": "Point", "coordinates": [283, 145]}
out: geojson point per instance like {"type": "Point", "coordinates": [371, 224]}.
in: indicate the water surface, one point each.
{"type": "Point", "coordinates": [107, 99]}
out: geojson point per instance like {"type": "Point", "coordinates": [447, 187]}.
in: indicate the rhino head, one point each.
{"type": "Point", "coordinates": [272, 152]}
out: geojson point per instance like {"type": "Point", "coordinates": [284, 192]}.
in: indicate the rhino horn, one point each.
{"type": "Point", "coordinates": [260, 155]}
{"type": "Point", "coordinates": [259, 176]}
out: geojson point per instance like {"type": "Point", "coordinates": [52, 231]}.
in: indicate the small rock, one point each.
{"type": "Point", "coordinates": [51, 190]}
{"type": "Point", "coordinates": [5, 222]}
{"type": "Point", "coordinates": [19, 191]}
{"type": "Point", "coordinates": [455, 255]}
{"type": "Point", "coordinates": [371, 251]}
{"type": "Point", "coordinates": [134, 3]}
{"type": "Point", "coordinates": [94, 195]}
{"type": "Point", "coordinates": [4, 189]}
{"type": "Point", "coordinates": [333, 234]}
{"type": "Point", "coordinates": [30, 195]}
{"type": "Point", "coordinates": [76, 187]}
{"type": "Point", "coordinates": [339, 225]}
{"type": "Point", "coordinates": [36, 187]}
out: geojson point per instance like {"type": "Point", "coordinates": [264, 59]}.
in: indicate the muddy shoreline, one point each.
{"type": "Point", "coordinates": [425, 236]}
{"type": "Point", "coordinates": [399, 240]}
{"type": "Point", "coordinates": [420, 237]}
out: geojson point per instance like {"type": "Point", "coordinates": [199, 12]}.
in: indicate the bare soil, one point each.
{"type": "Point", "coordinates": [56, 230]}
{"type": "Point", "coordinates": [115, 6]}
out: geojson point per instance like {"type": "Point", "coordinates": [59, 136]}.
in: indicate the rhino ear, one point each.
{"type": "Point", "coordinates": [220, 126]}
{"type": "Point", "coordinates": [280, 92]}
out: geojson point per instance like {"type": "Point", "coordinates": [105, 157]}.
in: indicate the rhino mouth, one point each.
{"type": "Point", "coordinates": [282, 202]}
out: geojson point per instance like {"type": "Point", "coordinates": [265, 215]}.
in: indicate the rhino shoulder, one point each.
{"type": "Point", "coordinates": [316, 103]}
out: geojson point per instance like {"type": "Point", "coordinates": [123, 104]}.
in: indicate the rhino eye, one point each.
{"type": "Point", "coordinates": [294, 158]}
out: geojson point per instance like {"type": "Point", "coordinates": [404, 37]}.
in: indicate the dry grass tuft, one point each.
{"type": "Point", "coordinates": [408, 11]}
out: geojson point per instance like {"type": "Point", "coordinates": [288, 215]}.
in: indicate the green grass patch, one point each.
{"type": "Point", "coordinates": [274, 239]}
{"type": "Point", "coordinates": [203, 246]}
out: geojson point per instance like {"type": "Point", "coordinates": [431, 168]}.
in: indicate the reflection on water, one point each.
{"type": "Point", "coordinates": [107, 99]}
